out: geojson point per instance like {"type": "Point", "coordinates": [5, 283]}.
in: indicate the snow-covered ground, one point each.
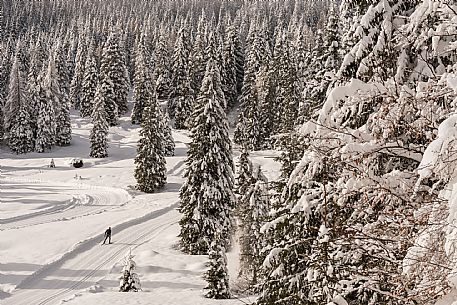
{"type": "Point", "coordinates": [52, 222]}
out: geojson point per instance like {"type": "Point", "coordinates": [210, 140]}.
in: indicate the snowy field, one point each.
{"type": "Point", "coordinates": [52, 222]}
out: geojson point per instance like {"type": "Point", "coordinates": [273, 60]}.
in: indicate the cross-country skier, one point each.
{"type": "Point", "coordinates": [107, 235]}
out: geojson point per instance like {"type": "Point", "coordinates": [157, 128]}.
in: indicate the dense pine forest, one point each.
{"type": "Point", "coordinates": [358, 97]}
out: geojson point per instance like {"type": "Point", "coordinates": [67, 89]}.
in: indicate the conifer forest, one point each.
{"type": "Point", "coordinates": [356, 100]}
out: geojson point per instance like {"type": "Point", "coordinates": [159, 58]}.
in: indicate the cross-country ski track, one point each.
{"type": "Point", "coordinates": [89, 261]}
{"type": "Point", "coordinates": [86, 200]}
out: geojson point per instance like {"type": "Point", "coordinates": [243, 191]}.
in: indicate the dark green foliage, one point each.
{"type": "Point", "coordinates": [252, 209]}
{"type": "Point", "coordinates": [169, 142]}
{"type": "Point", "coordinates": [113, 73]}
{"type": "Point", "coordinates": [162, 69]}
{"type": "Point", "coordinates": [198, 57]}
{"type": "Point", "coordinates": [150, 170]}
{"type": "Point", "coordinates": [20, 133]}
{"type": "Point", "coordinates": [46, 126]}
{"type": "Point", "coordinates": [231, 66]}
{"type": "Point", "coordinates": [89, 84]}
{"type": "Point", "coordinates": [217, 274]}
{"type": "Point", "coordinates": [49, 95]}
{"type": "Point", "coordinates": [206, 196]}
{"type": "Point", "coordinates": [21, 138]}
{"type": "Point", "coordinates": [76, 86]}
{"type": "Point", "coordinates": [63, 129]}
{"type": "Point", "coordinates": [249, 130]}
{"type": "Point", "coordinates": [99, 132]}
{"type": "Point", "coordinates": [181, 99]}
{"type": "Point", "coordinates": [142, 84]}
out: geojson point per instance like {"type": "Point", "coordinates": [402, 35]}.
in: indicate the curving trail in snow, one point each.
{"type": "Point", "coordinates": [89, 261]}
{"type": "Point", "coordinates": [86, 200]}
{"type": "Point", "coordinates": [47, 229]}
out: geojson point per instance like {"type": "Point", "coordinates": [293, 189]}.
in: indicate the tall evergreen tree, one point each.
{"type": "Point", "coordinates": [113, 71]}
{"type": "Point", "coordinates": [150, 170]}
{"type": "Point", "coordinates": [142, 86]}
{"type": "Point", "coordinates": [217, 274]}
{"type": "Point", "coordinates": [99, 132]}
{"type": "Point", "coordinates": [206, 196]}
{"type": "Point", "coordinates": [232, 61]}
{"type": "Point", "coordinates": [162, 69]}
{"type": "Point", "coordinates": [248, 129]}
{"type": "Point", "coordinates": [55, 85]}
{"type": "Point", "coordinates": [169, 142]}
{"type": "Point", "coordinates": [287, 96]}
{"type": "Point", "coordinates": [63, 125]}
{"type": "Point", "coordinates": [78, 75]}
{"type": "Point", "coordinates": [198, 57]}
{"type": "Point", "coordinates": [252, 210]}
{"type": "Point", "coordinates": [20, 134]}
{"type": "Point", "coordinates": [11, 106]}
{"type": "Point", "coordinates": [37, 60]}
{"type": "Point", "coordinates": [50, 98]}
{"type": "Point", "coordinates": [181, 95]}
{"type": "Point", "coordinates": [89, 83]}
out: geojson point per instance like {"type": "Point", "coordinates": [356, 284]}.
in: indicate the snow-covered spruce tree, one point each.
{"type": "Point", "coordinates": [109, 98]}
{"type": "Point", "coordinates": [252, 209]}
{"type": "Point", "coordinates": [198, 56]}
{"type": "Point", "coordinates": [322, 64]}
{"type": "Point", "coordinates": [287, 95]}
{"type": "Point", "coordinates": [129, 281]}
{"type": "Point", "coordinates": [420, 58]}
{"type": "Point", "coordinates": [63, 124]}
{"type": "Point", "coordinates": [88, 83]}
{"type": "Point", "coordinates": [373, 55]}
{"type": "Point", "coordinates": [206, 197]}
{"type": "Point", "coordinates": [20, 133]}
{"type": "Point", "coordinates": [4, 63]}
{"type": "Point", "coordinates": [72, 42]}
{"type": "Point", "coordinates": [142, 86]}
{"type": "Point", "coordinates": [232, 65]}
{"type": "Point", "coordinates": [181, 95]}
{"type": "Point", "coordinates": [63, 74]}
{"type": "Point", "coordinates": [217, 275]}
{"type": "Point", "coordinates": [20, 138]}
{"type": "Point", "coordinates": [37, 60]}
{"type": "Point", "coordinates": [78, 75]}
{"type": "Point", "coordinates": [150, 170]}
{"type": "Point", "coordinates": [99, 132]}
{"type": "Point", "coordinates": [11, 106]}
{"type": "Point", "coordinates": [431, 262]}
{"type": "Point", "coordinates": [46, 124]}
{"type": "Point", "coordinates": [248, 129]}
{"type": "Point", "coordinates": [113, 70]}
{"type": "Point", "coordinates": [168, 141]}
{"type": "Point", "coordinates": [292, 146]}
{"type": "Point", "coordinates": [55, 85]}
{"type": "Point", "coordinates": [2, 23]}
{"type": "Point", "coordinates": [244, 173]}
{"type": "Point", "coordinates": [50, 99]}
{"type": "Point", "coordinates": [162, 68]}
{"type": "Point", "coordinates": [352, 196]}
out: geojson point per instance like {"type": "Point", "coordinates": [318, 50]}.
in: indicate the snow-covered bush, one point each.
{"type": "Point", "coordinates": [129, 280]}
{"type": "Point", "coordinates": [217, 274]}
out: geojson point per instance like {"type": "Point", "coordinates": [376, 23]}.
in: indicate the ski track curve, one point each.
{"type": "Point", "coordinates": [89, 200]}
{"type": "Point", "coordinates": [89, 262]}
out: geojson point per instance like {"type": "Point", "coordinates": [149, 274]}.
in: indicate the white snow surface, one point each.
{"type": "Point", "coordinates": [52, 222]}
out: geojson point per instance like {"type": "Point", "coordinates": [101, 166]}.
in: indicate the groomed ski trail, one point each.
{"type": "Point", "coordinates": [89, 261]}
{"type": "Point", "coordinates": [86, 200]}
